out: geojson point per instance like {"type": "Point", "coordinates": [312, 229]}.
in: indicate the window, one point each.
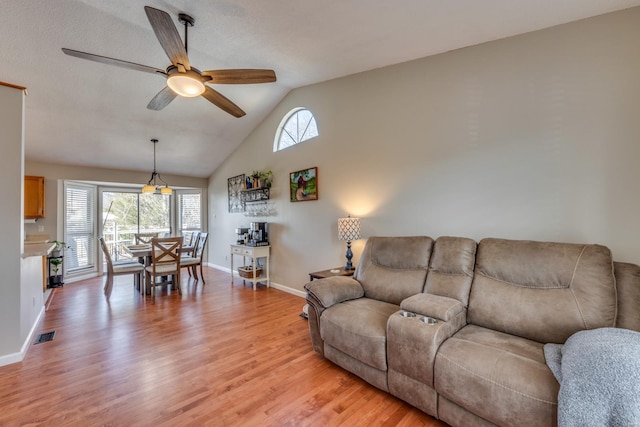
{"type": "Point", "coordinates": [126, 212]}
{"type": "Point", "coordinates": [117, 213]}
{"type": "Point", "coordinates": [190, 213]}
{"type": "Point", "coordinates": [79, 227]}
{"type": "Point", "coordinates": [297, 125]}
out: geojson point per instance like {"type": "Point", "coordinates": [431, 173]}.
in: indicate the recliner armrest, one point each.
{"type": "Point", "coordinates": [333, 290]}
{"type": "Point", "coordinates": [436, 306]}
{"type": "Point", "coordinates": [322, 294]}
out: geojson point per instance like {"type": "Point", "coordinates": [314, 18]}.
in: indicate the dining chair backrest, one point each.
{"type": "Point", "coordinates": [166, 250]}
{"type": "Point", "coordinates": [107, 255]}
{"type": "Point", "coordinates": [190, 238]}
{"type": "Point", "coordinates": [142, 238]}
{"type": "Point", "coordinates": [119, 268]}
{"type": "Point", "coordinates": [200, 244]}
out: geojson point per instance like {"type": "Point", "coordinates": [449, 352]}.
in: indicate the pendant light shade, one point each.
{"type": "Point", "coordinates": [152, 186]}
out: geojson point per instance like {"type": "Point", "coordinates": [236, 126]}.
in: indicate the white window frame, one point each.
{"type": "Point", "coordinates": [283, 123]}
{"type": "Point", "coordinates": [90, 270]}
{"type": "Point", "coordinates": [178, 216]}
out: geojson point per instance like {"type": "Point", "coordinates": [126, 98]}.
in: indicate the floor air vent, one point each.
{"type": "Point", "coordinates": [47, 336]}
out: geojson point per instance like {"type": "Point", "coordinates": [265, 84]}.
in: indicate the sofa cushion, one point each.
{"type": "Point", "coordinates": [499, 377]}
{"type": "Point", "coordinates": [451, 268]}
{"type": "Point", "coordinates": [358, 328]}
{"type": "Point", "coordinates": [394, 268]}
{"type": "Point", "coordinates": [542, 291]}
{"type": "Point", "coordinates": [628, 287]}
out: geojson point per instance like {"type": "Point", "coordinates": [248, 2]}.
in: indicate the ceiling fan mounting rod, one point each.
{"type": "Point", "coordinates": [187, 21]}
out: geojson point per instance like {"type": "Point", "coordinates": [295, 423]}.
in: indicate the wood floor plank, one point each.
{"type": "Point", "coordinates": [219, 355]}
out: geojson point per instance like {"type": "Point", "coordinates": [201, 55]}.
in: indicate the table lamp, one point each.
{"type": "Point", "coordinates": [349, 230]}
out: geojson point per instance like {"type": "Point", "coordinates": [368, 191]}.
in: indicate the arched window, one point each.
{"type": "Point", "coordinates": [297, 125]}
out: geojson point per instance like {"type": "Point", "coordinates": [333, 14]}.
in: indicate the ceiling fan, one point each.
{"type": "Point", "coordinates": [182, 78]}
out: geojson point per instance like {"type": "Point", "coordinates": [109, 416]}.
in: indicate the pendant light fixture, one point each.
{"type": "Point", "coordinates": [151, 186]}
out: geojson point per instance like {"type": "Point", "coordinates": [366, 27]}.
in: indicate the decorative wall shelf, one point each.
{"type": "Point", "coordinates": [254, 195]}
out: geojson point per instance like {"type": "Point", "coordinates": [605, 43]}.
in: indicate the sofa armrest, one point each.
{"type": "Point", "coordinates": [412, 345]}
{"type": "Point", "coordinates": [436, 306]}
{"type": "Point", "coordinates": [322, 294]}
{"type": "Point", "coordinates": [333, 290]}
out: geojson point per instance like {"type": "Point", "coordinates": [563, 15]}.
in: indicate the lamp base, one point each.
{"type": "Point", "coordinates": [349, 255]}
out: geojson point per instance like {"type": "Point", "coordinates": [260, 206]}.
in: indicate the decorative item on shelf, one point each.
{"type": "Point", "coordinates": [266, 179]}
{"type": "Point", "coordinates": [55, 279]}
{"type": "Point", "coordinates": [260, 179]}
{"type": "Point", "coordinates": [247, 271]}
{"type": "Point", "coordinates": [58, 248]}
{"type": "Point", "coordinates": [262, 208]}
{"type": "Point", "coordinates": [349, 230]}
{"type": "Point", "coordinates": [151, 186]}
{"type": "Point", "coordinates": [256, 179]}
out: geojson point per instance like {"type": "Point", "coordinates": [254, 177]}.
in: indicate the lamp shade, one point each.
{"type": "Point", "coordinates": [185, 84]}
{"type": "Point", "coordinates": [149, 188]}
{"type": "Point", "coordinates": [348, 229]}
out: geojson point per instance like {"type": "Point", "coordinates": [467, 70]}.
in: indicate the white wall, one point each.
{"type": "Point", "coordinates": [530, 137]}
{"type": "Point", "coordinates": [11, 211]}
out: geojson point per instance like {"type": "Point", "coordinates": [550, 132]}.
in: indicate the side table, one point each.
{"type": "Point", "coordinates": [338, 271]}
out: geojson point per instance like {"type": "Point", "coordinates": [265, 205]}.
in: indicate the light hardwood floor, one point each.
{"type": "Point", "coordinates": [217, 356]}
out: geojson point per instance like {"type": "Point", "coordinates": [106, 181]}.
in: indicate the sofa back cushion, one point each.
{"type": "Point", "coordinates": [628, 287]}
{"type": "Point", "coordinates": [451, 268]}
{"type": "Point", "coordinates": [542, 291]}
{"type": "Point", "coordinates": [394, 268]}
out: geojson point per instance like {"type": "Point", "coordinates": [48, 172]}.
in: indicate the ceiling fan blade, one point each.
{"type": "Point", "coordinates": [168, 37]}
{"type": "Point", "coordinates": [162, 99]}
{"type": "Point", "coordinates": [240, 76]}
{"type": "Point", "coordinates": [112, 61]}
{"type": "Point", "coordinates": [222, 102]}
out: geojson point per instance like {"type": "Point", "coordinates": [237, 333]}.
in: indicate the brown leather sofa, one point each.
{"type": "Point", "coordinates": [496, 303]}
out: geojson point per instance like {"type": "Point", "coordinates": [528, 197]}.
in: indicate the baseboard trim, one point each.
{"type": "Point", "coordinates": [11, 358]}
{"type": "Point", "coordinates": [273, 284]}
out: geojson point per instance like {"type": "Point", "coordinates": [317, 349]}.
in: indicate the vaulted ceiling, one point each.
{"type": "Point", "coordinates": [86, 113]}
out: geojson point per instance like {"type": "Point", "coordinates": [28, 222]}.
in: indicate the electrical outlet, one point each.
{"type": "Point", "coordinates": [226, 257]}
{"type": "Point", "coordinates": [40, 228]}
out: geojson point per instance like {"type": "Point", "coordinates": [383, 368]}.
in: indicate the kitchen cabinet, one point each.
{"type": "Point", "coordinates": [34, 206]}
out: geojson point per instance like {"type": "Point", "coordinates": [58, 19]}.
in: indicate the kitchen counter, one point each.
{"type": "Point", "coordinates": [37, 249]}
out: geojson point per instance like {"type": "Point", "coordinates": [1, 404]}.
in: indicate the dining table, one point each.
{"type": "Point", "coordinates": [144, 254]}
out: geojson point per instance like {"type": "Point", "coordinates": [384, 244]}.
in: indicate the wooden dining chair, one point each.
{"type": "Point", "coordinates": [165, 263]}
{"type": "Point", "coordinates": [119, 268]}
{"type": "Point", "coordinates": [143, 238]}
{"type": "Point", "coordinates": [192, 262]}
{"type": "Point", "coordinates": [190, 240]}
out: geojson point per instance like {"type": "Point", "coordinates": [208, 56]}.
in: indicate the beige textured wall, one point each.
{"type": "Point", "coordinates": [530, 137]}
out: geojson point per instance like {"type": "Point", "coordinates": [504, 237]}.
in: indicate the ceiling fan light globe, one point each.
{"type": "Point", "coordinates": [149, 189]}
{"type": "Point", "coordinates": [185, 85]}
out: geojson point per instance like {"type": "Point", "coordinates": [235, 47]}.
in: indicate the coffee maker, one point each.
{"type": "Point", "coordinates": [243, 235]}
{"type": "Point", "coordinates": [258, 234]}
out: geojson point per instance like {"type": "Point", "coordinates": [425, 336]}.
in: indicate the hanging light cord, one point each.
{"type": "Point", "coordinates": [155, 174]}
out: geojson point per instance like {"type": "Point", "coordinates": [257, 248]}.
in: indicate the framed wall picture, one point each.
{"type": "Point", "coordinates": [234, 186]}
{"type": "Point", "coordinates": [304, 185]}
